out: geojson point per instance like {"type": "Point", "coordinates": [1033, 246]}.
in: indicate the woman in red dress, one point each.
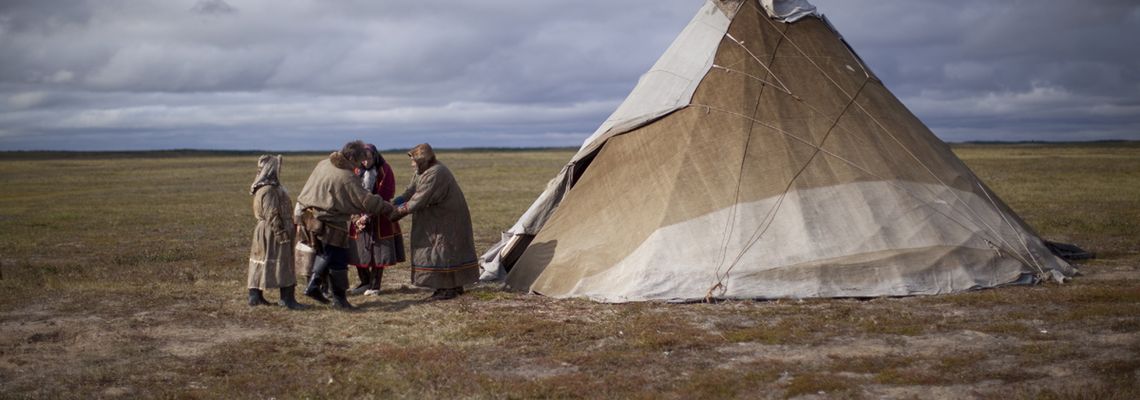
{"type": "Point", "coordinates": [378, 243]}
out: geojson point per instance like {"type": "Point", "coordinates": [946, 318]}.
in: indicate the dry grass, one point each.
{"type": "Point", "coordinates": [121, 276]}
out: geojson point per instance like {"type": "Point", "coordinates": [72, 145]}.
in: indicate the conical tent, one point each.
{"type": "Point", "coordinates": [760, 158]}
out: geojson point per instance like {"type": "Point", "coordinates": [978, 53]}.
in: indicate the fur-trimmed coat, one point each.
{"type": "Point", "coordinates": [337, 193]}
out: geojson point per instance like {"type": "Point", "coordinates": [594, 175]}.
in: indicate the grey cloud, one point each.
{"type": "Point", "coordinates": [331, 48]}
{"type": "Point", "coordinates": [1004, 69]}
{"type": "Point", "coordinates": [212, 7]}
{"type": "Point", "coordinates": [41, 16]}
{"type": "Point", "coordinates": [106, 74]}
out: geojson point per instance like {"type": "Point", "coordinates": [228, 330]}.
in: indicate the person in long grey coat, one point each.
{"type": "Point", "coordinates": [442, 242]}
{"type": "Point", "coordinates": [271, 254]}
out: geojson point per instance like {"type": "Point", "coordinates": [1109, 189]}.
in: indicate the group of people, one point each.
{"type": "Point", "coordinates": [346, 215]}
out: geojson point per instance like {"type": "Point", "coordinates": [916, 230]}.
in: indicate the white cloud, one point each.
{"type": "Point", "coordinates": [25, 100]}
{"type": "Point", "coordinates": [1038, 99]}
{"type": "Point", "coordinates": [968, 71]}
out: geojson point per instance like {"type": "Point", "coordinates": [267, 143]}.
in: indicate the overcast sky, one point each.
{"type": "Point", "coordinates": [310, 75]}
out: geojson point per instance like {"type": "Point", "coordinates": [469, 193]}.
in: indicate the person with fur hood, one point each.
{"type": "Point", "coordinates": [271, 255]}
{"type": "Point", "coordinates": [330, 197]}
{"type": "Point", "coordinates": [442, 241]}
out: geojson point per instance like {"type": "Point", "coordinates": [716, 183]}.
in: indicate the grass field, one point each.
{"type": "Point", "coordinates": [122, 276]}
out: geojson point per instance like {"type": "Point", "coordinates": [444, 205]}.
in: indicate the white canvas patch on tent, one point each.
{"type": "Point", "coordinates": [760, 158]}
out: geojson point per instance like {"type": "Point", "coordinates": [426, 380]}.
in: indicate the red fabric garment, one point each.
{"type": "Point", "coordinates": [386, 188]}
{"type": "Point", "coordinates": [382, 236]}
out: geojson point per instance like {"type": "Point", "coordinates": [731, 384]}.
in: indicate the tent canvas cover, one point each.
{"type": "Point", "coordinates": [761, 158]}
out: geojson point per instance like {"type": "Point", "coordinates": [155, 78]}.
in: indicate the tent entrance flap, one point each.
{"type": "Point", "coordinates": [514, 249]}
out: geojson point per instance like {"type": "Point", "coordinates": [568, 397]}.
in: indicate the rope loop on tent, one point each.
{"type": "Point", "coordinates": [709, 297]}
{"type": "Point", "coordinates": [994, 247]}
{"type": "Point", "coordinates": [754, 77]}
{"type": "Point", "coordinates": [762, 64]}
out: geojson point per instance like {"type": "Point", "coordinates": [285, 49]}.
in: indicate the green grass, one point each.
{"type": "Point", "coordinates": [122, 276]}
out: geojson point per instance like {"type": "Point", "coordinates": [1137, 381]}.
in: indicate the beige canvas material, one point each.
{"type": "Point", "coordinates": [793, 172]}
{"type": "Point", "coordinates": [442, 241]}
{"type": "Point", "coordinates": [665, 88]}
{"type": "Point", "coordinates": [271, 252]}
{"type": "Point", "coordinates": [858, 255]}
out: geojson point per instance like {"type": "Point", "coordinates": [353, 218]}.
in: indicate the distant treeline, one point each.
{"type": "Point", "coordinates": [1038, 143]}
{"type": "Point", "coordinates": [39, 154]}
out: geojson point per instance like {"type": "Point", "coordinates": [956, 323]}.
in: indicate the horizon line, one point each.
{"type": "Point", "coordinates": [508, 148]}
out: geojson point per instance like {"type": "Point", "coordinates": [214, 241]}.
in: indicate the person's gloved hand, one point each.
{"type": "Point", "coordinates": [398, 214]}
{"type": "Point", "coordinates": [398, 201]}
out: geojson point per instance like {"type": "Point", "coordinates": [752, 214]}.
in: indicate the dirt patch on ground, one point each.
{"type": "Point", "coordinates": [202, 338]}
{"type": "Point", "coordinates": [61, 340]}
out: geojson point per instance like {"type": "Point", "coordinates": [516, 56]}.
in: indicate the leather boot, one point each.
{"type": "Point", "coordinates": [313, 290]}
{"type": "Point", "coordinates": [365, 281]}
{"type": "Point", "coordinates": [256, 299]}
{"type": "Point", "coordinates": [449, 294]}
{"type": "Point", "coordinates": [374, 286]}
{"type": "Point", "coordinates": [339, 288]}
{"type": "Point", "coordinates": [288, 300]}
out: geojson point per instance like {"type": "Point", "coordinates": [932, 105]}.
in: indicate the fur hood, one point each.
{"type": "Point", "coordinates": [268, 167]}
{"type": "Point", "coordinates": [423, 155]}
{"type": "Point", "coordinates": [340, 161]}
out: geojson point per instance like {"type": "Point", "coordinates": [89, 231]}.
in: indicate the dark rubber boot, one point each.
{"type": "Point", "coordinates": [365, 281]}
{"type": "Point", "coordinates": [326, 287]}
{"type": "Point", "coordinates": [339, 287]}
{"type": "Point", "coordinates": [374, 286]}
{"type": "Point", "coordinates": [449, 294]}
{"type": "Point", "coordinates": [288, 300]}
{"type": "Point", "coordinates": [313, 291]}
{"type": "Point", "coordinates": [442, 294]}
{"type": "Point", "coordinates": [256, 299]}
